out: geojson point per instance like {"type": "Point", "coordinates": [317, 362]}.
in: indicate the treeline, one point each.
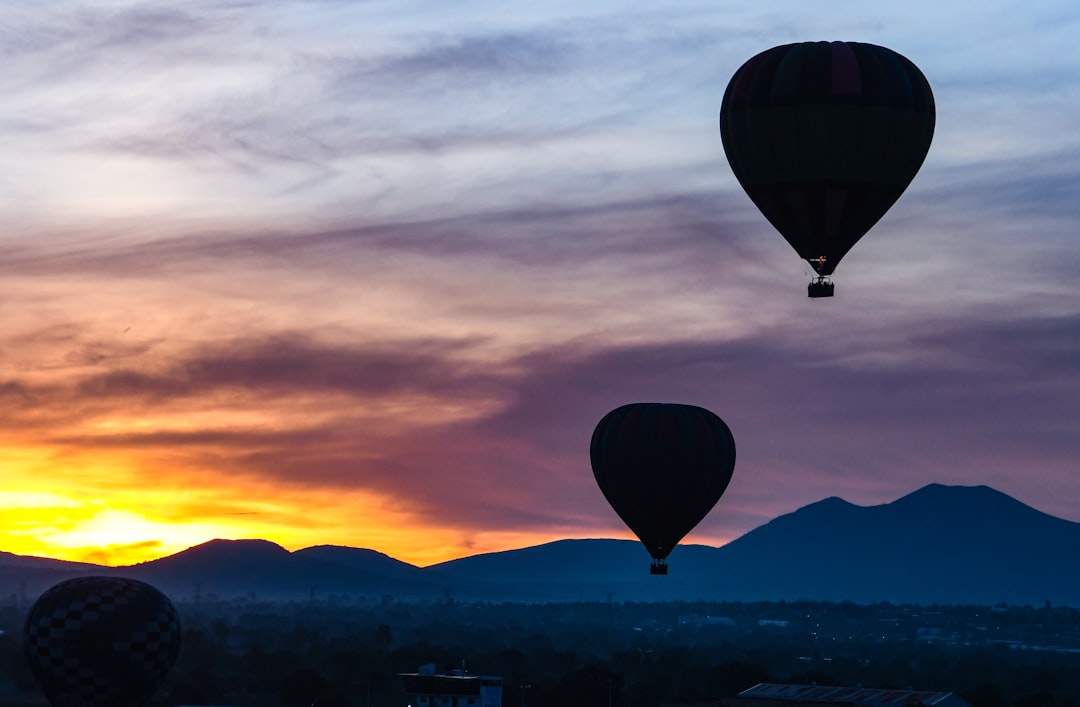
{"type": "Point", "coordinates": [596, 654]}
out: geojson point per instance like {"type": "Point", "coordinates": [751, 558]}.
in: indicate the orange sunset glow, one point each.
{"type": "Point", "coordinates": [149, 515]}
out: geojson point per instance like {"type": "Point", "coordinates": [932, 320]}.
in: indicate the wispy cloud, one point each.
{"type": "Point", "coordinates": [506, 447]}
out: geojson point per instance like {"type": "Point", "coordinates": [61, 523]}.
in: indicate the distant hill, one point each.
{"type": "Point", "coordinates": [943, 544]}
{"type": "Point", "coordinates": [578, 570]}
{"type": "Point", "coordinates": [24, 577]}
{"type": "Point", "coordinates": [10, 560]}
{"type": "Point", "coordinates": [266, 570]}
{"type": "Point", "coordinates": [371, 561]}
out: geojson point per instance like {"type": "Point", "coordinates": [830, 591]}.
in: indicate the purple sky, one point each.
{"type": "Point", "coordinates": [392, 262]}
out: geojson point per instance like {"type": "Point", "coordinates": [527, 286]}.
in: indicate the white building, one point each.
{"type": "Point", "coordinates": [453, 688]}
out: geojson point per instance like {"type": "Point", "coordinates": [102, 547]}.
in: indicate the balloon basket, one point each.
{"type": "Point", "coordinates": [658, 567]}
{"type": "Point", "coordinates": [820, 287]}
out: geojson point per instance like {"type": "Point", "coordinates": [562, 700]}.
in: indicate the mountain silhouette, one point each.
{"type": "Point", "coordinates": [939, 544]}
{"type": "Point", "coordinates": [224, 566]}
{"type": "Point", "coordinates": [371, 561]}
{"type": "Point", "coordinates": [579, 570]}
{"type": "Point", "coordinates": [262, 569]}
{"type": "Point", "coordinates": [944, 544]}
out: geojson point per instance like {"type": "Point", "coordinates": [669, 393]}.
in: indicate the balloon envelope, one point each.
{"type": "Point", "coordinates": [97, 641]}
{"type": "Point", "coordinates": [662, 467]}
{"type": "Point", "coordinates": [824, 137]}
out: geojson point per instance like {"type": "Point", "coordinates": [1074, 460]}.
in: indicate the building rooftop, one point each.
{"type": "Point", "coordinates": [862, 696]}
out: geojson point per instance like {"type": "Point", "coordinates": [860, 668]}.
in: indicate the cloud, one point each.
{"type": "Point", "coordinates": [79, 36]}
{"type": "Point", "coordinates": [485, 447]}
{"type": "Point", "coordinates": [504, 56]}
{"type": "Point", "coordinates": [544, 259]}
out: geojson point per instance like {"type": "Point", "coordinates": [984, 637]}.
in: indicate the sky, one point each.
{"type": "Point", "coordinates": [369, 273]}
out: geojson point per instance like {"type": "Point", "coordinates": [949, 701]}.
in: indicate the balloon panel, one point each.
{"type": "Point", "coordinates": [101, 641]}
{"type": "Point", "coordinates": [662, 467]}
{"type": "Point", "coordinates": [824, 137]}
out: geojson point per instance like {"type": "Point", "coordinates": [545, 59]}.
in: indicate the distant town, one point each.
{"type": "Point", "coordinates": [331, 651]}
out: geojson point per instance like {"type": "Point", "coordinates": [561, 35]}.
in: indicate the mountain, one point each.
{"type": "Point", "coordinates": [23, 576]}
{"type": "Point", "coordinates": [577, 570]}
{"type": "Point", "coordinates": [371, 561]}
{"type": "Point", "coordinates": [227, 567]}
{"type": "Point", "coordinates": [943, 544]}
{"type": "Point", "coordinates": [263, 569]}
{"type": "Point", "coordinates": [10, 560]}
{"type": "Point", "coordinates": [939, 544]}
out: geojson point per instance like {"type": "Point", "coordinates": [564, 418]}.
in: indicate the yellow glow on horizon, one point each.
{"type": "Point", "coordinates": [97, 483]}
{"type": "Point", "coordinates": [121, 537]}
{"type": "Point", "coordinates": [108, 510]}
{"type": "Point", "coordinates": [141, 518]}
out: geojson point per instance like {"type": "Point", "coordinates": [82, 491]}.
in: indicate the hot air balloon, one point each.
{"type": "Point", "coordinates": [824, 137]}
{"type": "Point", "coordinates": [662, 467]}
{"type": "Point", "coordinates": [101, 641]}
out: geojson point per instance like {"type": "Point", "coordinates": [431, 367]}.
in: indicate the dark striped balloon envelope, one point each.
{"type": "Point", "coordinates": [662, 467]}
{"type": "Point", "coordinates": [101, 641]}
{"type": "Point", "coordinates": [824, 137]}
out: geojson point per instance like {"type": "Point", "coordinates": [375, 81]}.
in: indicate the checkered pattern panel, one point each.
{"type": "Point", "coordinates": [97, 641]}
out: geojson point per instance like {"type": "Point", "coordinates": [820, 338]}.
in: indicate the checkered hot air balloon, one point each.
{"type": "Point", "coordinates": [101, 641]}
{"type": "Point", "coordinates": [824, 137]}
{"type": "Point", "coordinates": [662, 467]}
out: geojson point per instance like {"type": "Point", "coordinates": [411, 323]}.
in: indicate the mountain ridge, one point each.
{"type": "Point", "coordinates": [938, 544]}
